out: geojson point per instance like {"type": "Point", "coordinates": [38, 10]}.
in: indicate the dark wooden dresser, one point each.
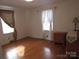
{"type": "Point", "coordinates": [60, 38]}
{"type": "Point", "coordinates": [71, 48]}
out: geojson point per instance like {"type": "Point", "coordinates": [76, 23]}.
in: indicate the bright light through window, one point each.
{"type": "Point", "coordinates": [6, 29]}
{"type": "Point", "coordinates": [47, 19]}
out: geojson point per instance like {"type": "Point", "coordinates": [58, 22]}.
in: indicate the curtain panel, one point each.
{"type": "Point", "coordinates": [8, 18]}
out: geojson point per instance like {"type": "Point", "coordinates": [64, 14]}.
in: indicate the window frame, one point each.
{"type": "Point", "coordinates": [51, 21]}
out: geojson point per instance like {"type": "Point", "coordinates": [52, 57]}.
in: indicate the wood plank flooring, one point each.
{"type": "Point", "coordinates": [30, 48]}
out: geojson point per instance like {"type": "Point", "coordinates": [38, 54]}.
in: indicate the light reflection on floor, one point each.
{"type": "Point", "coordinates": [33, 49]}
{"type": "Point", "coordinates": [47, 52]}
{"type": "Point", "coordinates": [16, 53]}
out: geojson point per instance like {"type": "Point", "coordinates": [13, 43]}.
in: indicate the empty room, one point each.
{"type": "Point", "coordinates": [39, 29]}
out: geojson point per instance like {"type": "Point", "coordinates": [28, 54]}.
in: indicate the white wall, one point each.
{"type": "Point", "coordinates": [64, 14]}
{"type": "Point", "coordinates": [21, 17]}
{"type": "Point", "coordinates": [36, 24]}
{"type": "Point", "coordinates": [35, 21]}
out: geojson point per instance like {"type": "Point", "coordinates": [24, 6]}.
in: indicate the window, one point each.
{"type": "Point", "coordinates": [47, 19]}
{"type": "Point", "coordinates": [6, 29]}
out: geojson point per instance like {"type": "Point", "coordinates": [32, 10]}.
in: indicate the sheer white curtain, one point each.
{"type": "Point", "coordinates": [47, 23]}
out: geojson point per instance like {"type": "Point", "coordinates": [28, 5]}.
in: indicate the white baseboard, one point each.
{"type": "Point", "coordinates": [40, 37]}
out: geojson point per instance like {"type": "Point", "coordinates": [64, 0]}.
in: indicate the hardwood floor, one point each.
{"type": "Point", "coordinates": [30, 48]}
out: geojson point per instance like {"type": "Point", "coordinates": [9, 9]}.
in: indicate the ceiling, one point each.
{"type": "Point", "coordinates": [23, 3]}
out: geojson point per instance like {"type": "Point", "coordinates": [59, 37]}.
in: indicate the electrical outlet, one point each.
{"type": "Point", "coordinates": [46, 35]}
